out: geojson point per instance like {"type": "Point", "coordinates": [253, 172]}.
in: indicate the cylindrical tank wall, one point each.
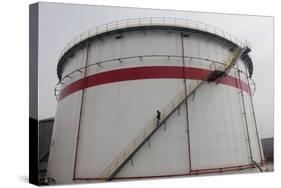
{"type": "Point", "coordinates": [114, 111]}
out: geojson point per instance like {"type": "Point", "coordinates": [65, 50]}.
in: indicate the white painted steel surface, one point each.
{"type": "Point", "coordinates": [113, 113]}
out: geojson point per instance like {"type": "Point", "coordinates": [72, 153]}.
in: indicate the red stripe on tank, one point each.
{"type": "Point", "coordinates": [140, 73]}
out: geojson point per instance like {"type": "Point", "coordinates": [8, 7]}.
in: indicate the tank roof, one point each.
{"type": "Point", "coordinates": [151, 23]}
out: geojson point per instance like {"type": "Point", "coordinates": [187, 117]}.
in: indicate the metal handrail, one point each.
{"type": "Point", "coordinates": [80, 70]}
{"type": "Point", "coordinates": [149, 21]}
{"type": "Point", "coordinates": [169, 108]}
{"type": "Point", "coordinates": [142, 135]}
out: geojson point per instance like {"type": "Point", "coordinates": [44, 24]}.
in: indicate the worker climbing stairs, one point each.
{"type": "Point", "coordinates": [215, 73]}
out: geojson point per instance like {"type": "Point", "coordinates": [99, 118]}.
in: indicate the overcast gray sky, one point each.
{"type": "Point", "coordinates": [59, 23]}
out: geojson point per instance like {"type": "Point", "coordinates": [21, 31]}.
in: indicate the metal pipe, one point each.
{"type": "Point", "coordinates": [257, 165]}
{"type": "Point", "coordinates": [80, 116]}
{"type": "Point", "coordinates": [254, 116]}
{"type": "Point", "coordinates": [194, 172]}
{"type": "Point", "coordinates": [244, 114]}
{"type": "Point", "coordinates": [186, 104]}
{"type": "Point", "coordinates": [124, 58]}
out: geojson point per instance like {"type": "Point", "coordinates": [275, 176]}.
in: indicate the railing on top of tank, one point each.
{"type": "Point", "coordinates": [148, 21]}
{"type": "Point", "coordinates": [80, 70]}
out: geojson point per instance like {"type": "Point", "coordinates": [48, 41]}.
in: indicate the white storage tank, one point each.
{"type": "Point", "coordinates": [115, 77]}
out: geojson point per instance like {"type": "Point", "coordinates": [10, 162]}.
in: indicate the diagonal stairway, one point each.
{"type": "Point", "coordinates": [223, 69]}
{"type": "Point", "coordinates": [215, 73]}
